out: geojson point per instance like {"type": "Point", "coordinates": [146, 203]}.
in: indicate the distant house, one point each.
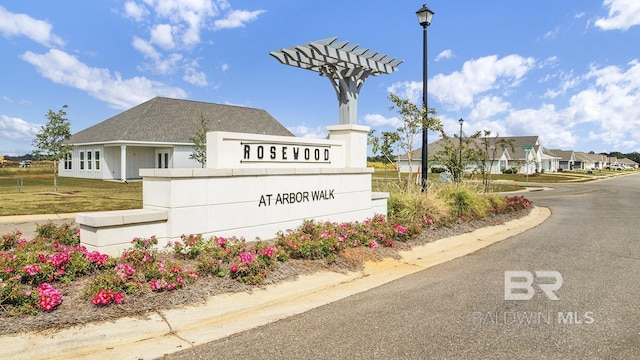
{"type": "Point", "coordinates": [628, 163]}
{"type": "Point", "coordinates": [587, 161]}
{"type": "Point", "coordinates": [155, 134]}
{"type": "Point", "coordinates": [525, 153]}
{"type": "Point", "coordinates": [567, 158]}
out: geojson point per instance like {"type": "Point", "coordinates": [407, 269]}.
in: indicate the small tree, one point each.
{"type": "Point", "coordinates": [386, 145]}
{"type": "Point", "coordinates": [49, 141]}
{"type": "Point", "coordinates": [457, 154]}
{"type": "Point", "coordinates": [488, 150]}
{"type": "Point", "coordinates": [199, 140]}
{"type": "Point", "coordinates": [412, 121]}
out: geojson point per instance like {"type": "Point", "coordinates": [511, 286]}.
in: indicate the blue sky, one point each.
{"type": "Point", "coordinates": [568, 71]}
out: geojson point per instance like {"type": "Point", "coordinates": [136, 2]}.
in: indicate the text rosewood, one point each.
{"type": "Point", "coordinates": [284, 153]}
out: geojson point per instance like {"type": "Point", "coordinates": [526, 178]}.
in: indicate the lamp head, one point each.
{"type": "Point", "coordinates": [425, 15]}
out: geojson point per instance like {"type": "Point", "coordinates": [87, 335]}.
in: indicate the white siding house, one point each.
{"type": "Point", "coordinates": [522, 152]}
{"type": "Point", "coordinates": [156, 134]}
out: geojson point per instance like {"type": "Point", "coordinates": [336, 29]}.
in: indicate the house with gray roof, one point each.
{"type": "Point", "coordinates": [567, 158]}
{"type": "Point", "coordinates": [525, 153]}
{"type": "Point", "coordinates": [589, 161]}
{"type": "Point", "coordinates": [156, 134]}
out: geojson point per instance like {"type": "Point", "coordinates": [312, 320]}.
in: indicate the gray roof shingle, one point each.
{"type": "Point", "coordinates": [175, 121]}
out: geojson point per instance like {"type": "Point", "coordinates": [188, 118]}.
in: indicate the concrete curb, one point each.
{"type": "Point", "coordinates": [170, 331]}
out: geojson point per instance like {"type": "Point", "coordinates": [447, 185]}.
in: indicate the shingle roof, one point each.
{"type": "Point", "coordinates": [565, 155]}
{"type": "Point", "coordinates": [518, 142]}
{"type": "Point", "coordinates": [584, 157]}
{"type": "Point", "coordinates": [175, 121]}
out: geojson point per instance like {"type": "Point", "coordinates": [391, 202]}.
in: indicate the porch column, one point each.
{"type": "Point", "coordinates": [123, 162]}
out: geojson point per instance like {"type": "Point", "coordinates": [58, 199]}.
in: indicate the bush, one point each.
{"type": "Point", "coordinates": [464, 201]}
{"type": "Point", "coordinates": [438, 170]}
{"type": "Point", "coordinates": [511, 170]}
{"type": "Point", "coordinates": [415, 206]}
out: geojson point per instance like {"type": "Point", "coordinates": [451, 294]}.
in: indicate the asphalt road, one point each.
{"type": "Point", "coordinates": [458, 310]}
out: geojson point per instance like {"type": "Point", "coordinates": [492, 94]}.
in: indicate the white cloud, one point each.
{"type": "Point", "coordinates": [161, 64]}
{"type": "Point", "coordinates": [489, 106]}
{"type": "Point", "coordinates": [24, 25]}
{"type": "Point", "coordinates": [551, 34]}
{"type": "Point", "coordinates": [308, 132]}
{"type": "Point", "coordinates": [446, 54]}
{"type": "Point", "coordinates": [193, 76]}
{"type": "Point", "coordinates": [65, 69]}
{"type": "Point", "coordinates": [17, 129]}
{"type": "Point", "coordinates": [411, 90]}
{"type": "Point", "coordinates": [224, 67]}
{"type": "Point", "coordinates": [187, 17]}
{"type": "Point", "coordinates": [162, 35]}
{"type": "Point", "coordinates": [378, 120]}
{"type": "Point", "coordinates": [460, 88]}
{"type": "Point", "coordinates": [237, 18]}
{"type": "Point", "coordinates": [623, 14]}
{"type": "Point", "coordinates": [135, 10]}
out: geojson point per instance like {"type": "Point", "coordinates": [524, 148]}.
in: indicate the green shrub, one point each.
{"type": "Point", "coordinates": [411, 206]}
{"type": "Point", "coordinates": [464, 201]}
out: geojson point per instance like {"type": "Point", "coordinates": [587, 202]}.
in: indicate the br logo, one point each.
{"type": "Point", "coordinates": [518, 285]}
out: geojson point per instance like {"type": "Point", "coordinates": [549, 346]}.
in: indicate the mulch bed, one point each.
{"type": "Point", "coordinates": [77, 311]}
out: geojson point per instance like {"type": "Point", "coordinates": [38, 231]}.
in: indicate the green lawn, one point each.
{"type": "Point", "coordinates": [24, 194]}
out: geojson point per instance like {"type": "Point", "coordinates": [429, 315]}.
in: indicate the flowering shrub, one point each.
{"type": "Point", "coordinates": [190, 246]}
{"type": "Point", "coordinates": [10, 240]}
{"type": "Point", "coordinates": [314, 240]}
{"type": "Point", "coordinates": [64, 234]}
{"type": "Point", "coordinates": [169, 276]}
{"type": "Point", "coordinates": [106, 297]}
{"type": "Point", "coordinates": [28, 268]}
{"type": "Point", "coordinates": [48, 297]}
{"type": "Point", "coordinates": [513, 204]}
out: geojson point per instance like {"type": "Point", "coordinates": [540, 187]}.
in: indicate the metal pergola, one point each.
{"type": "Point", "coordinates": [347, 66]}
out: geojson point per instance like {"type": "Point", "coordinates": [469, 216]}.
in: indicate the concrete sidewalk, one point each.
{"type": "Point", "coordinates": [27, 223]}
{"type": "Point", "coordinates": [165, 332]}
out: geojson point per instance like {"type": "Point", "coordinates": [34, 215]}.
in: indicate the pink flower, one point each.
{"type": "Point", "coordinates": [118, 298]}
{"type": "Point", "coordinates": [234, 268]}
{"type": "Point", "coordinates": [373, 244]}
{"type": "Point", "coordinates": [399, 228]}
{"type": "Point", "coordinates": [32, 269]}
{"type": "Point", "coordinates": [246, 258]}
{"type": "Point", "coordinates": [50, 297]}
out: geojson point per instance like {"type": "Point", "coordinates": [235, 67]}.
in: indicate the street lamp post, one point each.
{"type": "Point", "coordinates": [424, 18]}
{"type": "Point", "coordinates": [461, 121]}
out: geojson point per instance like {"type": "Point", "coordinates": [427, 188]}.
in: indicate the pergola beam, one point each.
{"type": "Point", "coordinates": [345, 65]}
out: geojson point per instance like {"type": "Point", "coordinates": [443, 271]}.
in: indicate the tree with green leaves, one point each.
{"type": "Point", "coordinates": [489, 149]}
{"type": "Point", "coordinates": [457, 154]}
{"type": "Point", "coordinates": [50, 140]}
{"type": "Point", "coordinates": [199, 140]}
{"type": "Point", "coordinates": [412, 121]}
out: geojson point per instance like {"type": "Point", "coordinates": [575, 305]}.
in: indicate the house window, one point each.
{"type": "Point", "coordinates": [96, 158]}
{"type": "Point", "coordinates": [503, 164]}
{"type": "Point", "coordinates": [88, 160]}
{"type": "Point", "coordinates": [67, 161]}
{"type": "Point", "coordinates": [163, 160]}
{"type": "Point", "coordinates": [81, 160]}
